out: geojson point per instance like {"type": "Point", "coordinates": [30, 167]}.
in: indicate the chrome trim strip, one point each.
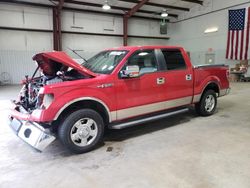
{"type": "Point", "coordinates": [196, 98]}
{"type": "Point", "coordinates": [132, 123]}
{"type": "Point", "coordinates": [111, 116]}
{"type": "Point", "coordinates": [144, 109]}
{"type": "Point", "coordinates": [215, 65]}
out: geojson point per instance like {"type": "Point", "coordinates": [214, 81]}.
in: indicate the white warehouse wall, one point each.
{"type": "Point", "coordinates": [189, 33]}
{"type": "Point", "coordinates": [18, 47]}
{"type": "Point", "coordinates": [88, 45]}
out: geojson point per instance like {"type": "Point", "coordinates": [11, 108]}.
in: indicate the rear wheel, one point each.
{"type": "Point", "coordinates": [81, 131]}
{"type": "Point", "coordinates": [207, 104]}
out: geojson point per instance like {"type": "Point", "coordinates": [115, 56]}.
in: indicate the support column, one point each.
{"type": "Point", "coordinates": [57, 31]}
{"type": "Point", "coordinates": [125, 30]}
{"type": "Point", "coordinates": [126, 16]}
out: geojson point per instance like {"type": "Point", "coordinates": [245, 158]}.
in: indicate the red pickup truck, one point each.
{"type": "Point", "coordinates": [116, 88]}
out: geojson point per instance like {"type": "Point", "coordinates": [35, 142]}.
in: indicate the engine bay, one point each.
{"type": "Point", "coordinates": [47, 73]}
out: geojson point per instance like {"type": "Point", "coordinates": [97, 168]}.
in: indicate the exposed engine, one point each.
{"type": "Point", "coordinates": [29, 94]}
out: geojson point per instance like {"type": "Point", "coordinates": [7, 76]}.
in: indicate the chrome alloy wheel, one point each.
{"type": "Point", "coordinates": [209, 103]}
{"type": "Point", "coordinates": [84, 132]}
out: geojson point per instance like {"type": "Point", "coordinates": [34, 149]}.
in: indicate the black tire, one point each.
{"type": "Point", "coordinates": [65, 130]}
{"type": "Point", "coordinates": [201, 106]}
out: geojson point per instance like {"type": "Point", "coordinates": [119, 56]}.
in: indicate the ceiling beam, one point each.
{"type": "Point", "coordinates": [41, 5]}
{"type": "Point", "coordinates": [110, 13]}
{"type": "Point", "coordinates": [125, 9]}
{"type": "Point", "coordinates": [157, 13]}
{"type": "Point", "coordinates": [136, 8]}
{"type": "Point", "coordinates": [194, 1]}
{"type": "Point", "coordinates": [158, 5]}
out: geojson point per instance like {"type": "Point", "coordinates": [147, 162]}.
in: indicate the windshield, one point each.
{"type": "Point", "coordinates": [105, 62]}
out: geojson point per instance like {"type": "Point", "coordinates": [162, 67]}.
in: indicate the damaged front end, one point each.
{"type": "Point", "coordinates": [23, 122]}
{"type": "Point", "coordinates": [32, 133]}
{"type": "Point", "coordinates": [25, 118]}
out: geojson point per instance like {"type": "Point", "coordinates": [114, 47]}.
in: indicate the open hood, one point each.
{"type": "Point", "coordinates": [63, 58]}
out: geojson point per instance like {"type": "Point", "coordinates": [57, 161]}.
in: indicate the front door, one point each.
{"type": "Point", "coordinates": [143, 94]}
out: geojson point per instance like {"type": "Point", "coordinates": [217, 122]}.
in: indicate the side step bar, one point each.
{"type": "Point", "coordinates": [147, 119]}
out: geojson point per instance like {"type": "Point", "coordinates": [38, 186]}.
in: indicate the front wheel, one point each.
{"type": "Point", "coordinates": [81, 131]}
{"type": "Point", "coordinates": [207, 104]}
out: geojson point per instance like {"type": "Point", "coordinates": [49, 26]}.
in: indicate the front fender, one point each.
{"type": "Point", "coordinates": [63, 99]}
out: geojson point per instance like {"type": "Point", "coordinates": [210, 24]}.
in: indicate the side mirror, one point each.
{"type": "Point", "coordinates": [130, 72]}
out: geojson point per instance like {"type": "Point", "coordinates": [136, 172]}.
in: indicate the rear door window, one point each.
{"type": "Point", "coordinates": [174, 59]}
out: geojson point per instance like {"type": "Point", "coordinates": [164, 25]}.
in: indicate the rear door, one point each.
{"type": "Point", "coordinates": [178, 75]}
{"type": "Point", "coordinates": [143, 94]}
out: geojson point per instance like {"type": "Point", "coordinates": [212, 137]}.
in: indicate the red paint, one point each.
{"type": "Point", "coordinates": [63, 58]}
{"type": "Point", "coordinates": [126, 93]}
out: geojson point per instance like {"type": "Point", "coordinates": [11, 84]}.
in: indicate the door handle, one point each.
{"type": "Point", "coordinates": [160, 80]}
{"type": "Point", "coordinates": [189, 77]}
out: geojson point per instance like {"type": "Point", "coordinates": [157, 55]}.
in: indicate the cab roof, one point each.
{"type": "Point", "coordinates": [132, 48]}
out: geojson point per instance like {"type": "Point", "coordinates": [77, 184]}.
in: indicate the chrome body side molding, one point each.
{"type": "Point", "coordinates": [196, 98]}
{"type": "Point", "coordinates": [147, 119]}
{"type": "Point", "coordinates": [149, 108]}
{"type": "Point", "coordinates": [215, 65]}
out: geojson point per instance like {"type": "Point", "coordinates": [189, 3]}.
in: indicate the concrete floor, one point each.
{"type": "Point", "coordinates": [183, 151]}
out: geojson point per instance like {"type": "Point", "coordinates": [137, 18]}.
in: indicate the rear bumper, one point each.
{"type": "Point", "coordinates": [30, 132]}
{"type": "Point", "coordinates": [224, 92]}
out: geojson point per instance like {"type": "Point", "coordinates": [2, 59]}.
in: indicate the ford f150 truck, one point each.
{"type": "Point", "coordinates": [116, 88]}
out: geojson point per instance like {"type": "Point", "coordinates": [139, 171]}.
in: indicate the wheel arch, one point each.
{"type": "Point", "coordinates": [85, 102]}
{"type": "Point", "coordinates": [213, 85]}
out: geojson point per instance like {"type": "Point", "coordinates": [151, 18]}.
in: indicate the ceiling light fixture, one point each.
{"type": "Point", "coordinates": [106, 6]}
{"type": "Point", "coordinates": [211, 30]}
{"type": "Point", "coordinates": [164, 14]}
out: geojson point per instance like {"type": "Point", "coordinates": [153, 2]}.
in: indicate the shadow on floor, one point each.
{"type": "Point", "coordinates": [57, 149]}
{"type": "Point", "coordinates": [147, 128]}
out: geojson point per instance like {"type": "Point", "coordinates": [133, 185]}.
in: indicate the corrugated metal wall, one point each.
{"type": "Point", "coordinates": [17, 64]}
